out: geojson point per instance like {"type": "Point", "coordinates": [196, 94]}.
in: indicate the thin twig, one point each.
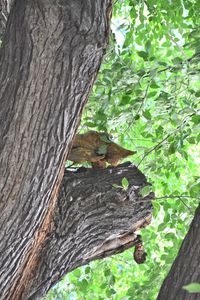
{"type": "Point", "coordinates": [145, 96]}
{"type": "Point", "coordinates": [152, 149]}
{"type": "Point", "coordinates": [186, 205]}
{"type": "Point", "coordinates": [171, 68]}
{"type": "Point", "coordinates": [177, 45]}
{"type": "Point", "coordinates": [168, 135]}
{"type": "Point", "coordinates": [175, 197]}
{"type": "Point", "coordinates": [169, 197]}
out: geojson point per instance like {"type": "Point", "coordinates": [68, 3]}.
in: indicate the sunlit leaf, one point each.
{"type": "Point", "coordinates": [147, 114]}
{"type": "Point", "coordinates": [146, 190]}
{"type": "Point", "coordinates": [125, 183]}
{"type": "Point", "coordinates": [192, 287]}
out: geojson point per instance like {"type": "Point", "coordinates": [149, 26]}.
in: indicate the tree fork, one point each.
{"type": "Point", "coordinates": [51, 54]}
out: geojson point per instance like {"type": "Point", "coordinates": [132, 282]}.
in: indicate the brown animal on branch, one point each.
{"type": "Point", "coordinates": [97, 149]}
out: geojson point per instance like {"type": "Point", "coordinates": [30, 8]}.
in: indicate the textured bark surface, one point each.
{"type": "Point", "coordinates": [186, 267]}
{"type": "Point", "coordinates": [92, 220]}
{"type": "Point", "coordinates": [5, 6]}
{"type": "Point", "coordinates": [50, 57]}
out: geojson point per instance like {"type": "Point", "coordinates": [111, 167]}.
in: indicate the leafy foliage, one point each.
{"type": "Point", "coordinates": [192, 288]}
{"type": "Point", "coordinates": [147, 96]}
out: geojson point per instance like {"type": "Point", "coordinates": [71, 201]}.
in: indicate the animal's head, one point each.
{"type": "Point", "coordinates": [116, 150]}
{"type": "Point", "coordinates": [116, 153]}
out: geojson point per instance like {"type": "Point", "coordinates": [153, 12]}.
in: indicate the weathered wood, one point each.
{"type": "Point", "coordinates": [51, 53]}
{"type": "Point", "coordinates": [93, 219]}
{"type": "Point", "coordinates": [186, 267]}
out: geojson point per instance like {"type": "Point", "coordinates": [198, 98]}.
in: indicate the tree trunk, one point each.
{"type": "Point", "coordinates": [93, 219]}
{"type": "Point", "coordinates": [186, 267]}
{"type": "Point", "coordinates": [51, 53]}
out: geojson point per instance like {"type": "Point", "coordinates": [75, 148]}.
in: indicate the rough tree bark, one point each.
{"type": "Point", "coordinates": [51, 53]}
{"type": "Point", "coordinates": [92, 220]}
{"type": "Point", "coordinates": [5, 7]}
{"type": "Point", "coordinates": [186, 267]}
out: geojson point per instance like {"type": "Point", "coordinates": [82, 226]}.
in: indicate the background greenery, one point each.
{"type": "Point", "coordinates": [147, 96]}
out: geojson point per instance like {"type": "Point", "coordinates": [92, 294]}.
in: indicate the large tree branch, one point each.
{"type": "Point", "coordinates": [93, 219]}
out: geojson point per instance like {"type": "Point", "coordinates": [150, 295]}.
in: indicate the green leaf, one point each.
{"type": "Point", "coordinates": [141, 72]}
{"type": "Point", "coordinates": [147, 114]}
{"type": "Point", "coordinates": [191, 140]}
{"type": "Point", "coordinates": [194, 190]}
{"type": "Point", "coordinates": [196, 119]}
{"type": "Point", "coordinates": [116, 186]}
{"type": "Point", "coordinates": [148, 46]}
{"type": "Point", "coordinates": [169, 236]}
{"type": "Point", "coordinates": [77, 273]}
{"type": "Point", "coordinates": [162, 63]}
{"type": "Point", "coordinates": [197, 94]}
{"type": "Point", "coordinates": [171, 149]}
{"type": "Point", "coordinates": [125, 99]}
{"type": "Point", "coordinates": [143, 54]}
{"type": "Point", "coordinates": [83, 284]}
{"type": "Point", "coordinates": [112, 292]}
{"type": "Point", "coordinates": [192, 287]}
{"type": "Point", "coordinates": [125, 183]}
{"type": "Point", "coordinates": [145, 191]}
{"type": "Point", "coordinates": [161, 227]}
{"type": "Point", "coordinates": [177, 60]}
{"type": "Point", "coordinates": [154, 85]}
{"type": "Point", "coordinates": [90, 124]}
{"type": "Point", "coordinates": [151, 94]}
{"type": "Point", "coordinates": [87, 270]}
{"type": "Point", "coordinates": [107, 272]}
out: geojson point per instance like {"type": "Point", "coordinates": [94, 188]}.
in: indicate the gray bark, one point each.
{"type": "Point", "coordinates": [186, 267]}
{"type": "Point", "coordinates": [5, 7]}
{"type": "Point", "coordinates": [93, 219]}
{"type": "Point", "coordinates": [51, 53]}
